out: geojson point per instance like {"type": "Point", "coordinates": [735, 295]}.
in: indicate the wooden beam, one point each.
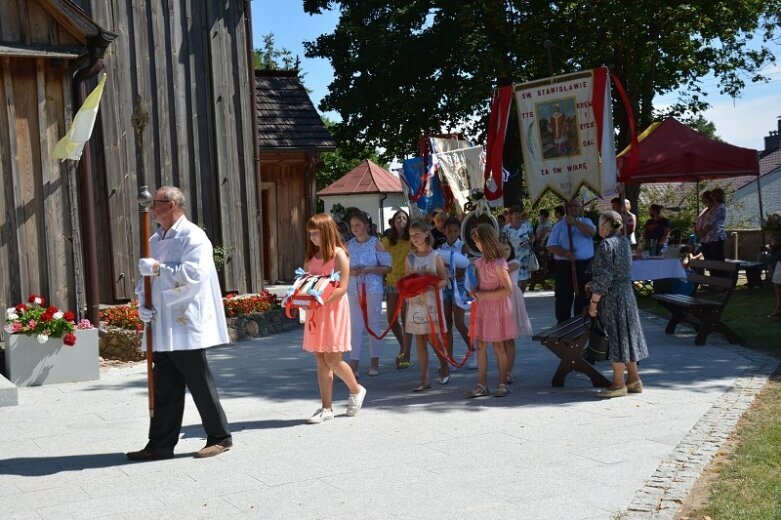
{"type": "Point", "coordinates": [17, 262]}
{"type": "Point", "coordinates": [73, 205]}
{"type": "Point", "coordinates": [48, 180]}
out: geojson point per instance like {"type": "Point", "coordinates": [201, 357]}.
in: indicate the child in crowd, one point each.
{"type": "Point", "coordinates": [495, 321]}
{"type": "Point", "coordinates": [685, 287]}
{"type": "Point", "coordinates": [453, 255]}
{"type": "Point", "coordinates": [369, 262]}
{"type": "Point", "coordinates": [423, 308]}
{"type": "Point", "coordinates": [396, 243]}
{"type": "Point", "coordinates": [327, 331]}
{"type": "Point", "coordinates": [519, 306]}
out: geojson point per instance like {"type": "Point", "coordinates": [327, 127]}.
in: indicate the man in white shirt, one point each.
{"type": "Point", "coordinates": [187, 317]}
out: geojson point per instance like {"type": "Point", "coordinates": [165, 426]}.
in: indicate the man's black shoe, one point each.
{"type": "Point", "coordinates": [146, 455]}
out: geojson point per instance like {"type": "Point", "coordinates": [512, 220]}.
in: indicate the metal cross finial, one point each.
{"type": "Point", "coordinates": [139, 120]}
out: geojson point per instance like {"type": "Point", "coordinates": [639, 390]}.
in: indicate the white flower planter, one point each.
{"type": "Point", "coordinates": [30, 363]}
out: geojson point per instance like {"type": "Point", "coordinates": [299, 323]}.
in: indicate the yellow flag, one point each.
{"type": "Point", "coordinates": [71, 146]}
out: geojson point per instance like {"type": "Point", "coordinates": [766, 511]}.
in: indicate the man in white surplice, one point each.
{"type": "Point", "coordinates": [187, 317]}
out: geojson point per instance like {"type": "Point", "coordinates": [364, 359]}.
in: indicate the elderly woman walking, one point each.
{"type": "Point", "coordinates": [613, 302]}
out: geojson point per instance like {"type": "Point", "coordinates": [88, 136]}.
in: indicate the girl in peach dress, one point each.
{"type": "Point", "coordinates": [327, 327]}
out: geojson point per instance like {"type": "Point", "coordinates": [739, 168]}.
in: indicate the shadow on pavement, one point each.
{"type": "Point", "coordinates": [50, 465]}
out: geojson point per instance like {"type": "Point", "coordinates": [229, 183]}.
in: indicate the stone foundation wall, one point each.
{"type": "Point", "coordinates": [124, 345]}
{"type": "Point", "coordinates": [260, 324]}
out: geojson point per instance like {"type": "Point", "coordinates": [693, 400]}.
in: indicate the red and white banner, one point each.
{"type": "Point", "coordinates": [567, 136]}
{"type": "Point", "coordinates": [494, 148]}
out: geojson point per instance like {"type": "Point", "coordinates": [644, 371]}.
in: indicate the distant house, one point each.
{"type": "Point", "coordinates": [292, 137]}
{"type": "Point", "coordinates": [743, 210]}
{"type": "Point", "coordinates": [369, 187]}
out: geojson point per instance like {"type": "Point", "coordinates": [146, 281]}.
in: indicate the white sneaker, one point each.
{"type": "Point", "coordinates": [472, 364]}
{"type": "Point", "coordinates": [355, 401]}
{"type": "Point", "coordinates": [321, 415]}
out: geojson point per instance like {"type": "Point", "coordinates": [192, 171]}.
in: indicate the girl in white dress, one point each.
{"type": "Point", "coordinates": [422, 308]}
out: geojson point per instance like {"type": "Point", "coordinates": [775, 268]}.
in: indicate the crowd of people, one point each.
{"type": "Point", "coordinates": [491, 284]}
{"type": "Point", "coordinates": [485, 280]}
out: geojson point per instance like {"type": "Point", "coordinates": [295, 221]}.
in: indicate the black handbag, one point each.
{"type": "Point", "coordinates": [598, 343]}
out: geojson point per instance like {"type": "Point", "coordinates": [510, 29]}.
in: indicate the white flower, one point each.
{"type": "Point", "coordinates": [43, 338]}
{"type": "Point", "coordinates": [58, 315]}
{"type": "Point", "coordinates": [9, 329]}
{"type": "Point", "coordinates": [12, 316]}
{"type": "Point", "coordinates": [37, 300]}
{"type": "Point", "coordinates": [10, 310]}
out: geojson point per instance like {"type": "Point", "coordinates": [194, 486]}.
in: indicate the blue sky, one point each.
{"type": "Point", "coordinates": [744, 121]}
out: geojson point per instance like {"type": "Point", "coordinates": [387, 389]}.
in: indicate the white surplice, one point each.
{"type": "Point", "coordinates": [186, 294]}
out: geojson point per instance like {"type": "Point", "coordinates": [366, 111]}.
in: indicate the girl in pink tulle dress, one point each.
{"type": "Point", "coordinates": [327, 327]}
{"type": "Point", "coordinates": [495, 319]}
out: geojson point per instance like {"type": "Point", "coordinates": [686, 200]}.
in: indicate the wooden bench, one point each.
{"type": "Point", "coordinates": [703, 310]}
{"type": "Point", "coordinates": [753, 271]}
{"type": "Point", "coordinates": [568, 340]}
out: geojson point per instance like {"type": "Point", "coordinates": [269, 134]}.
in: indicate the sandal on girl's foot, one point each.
{"type": "Point", "coordinates": [398, 359]}
{"type": "Point", "coordinates": [404, 364]}
{"type": "Point", "coordinates": [502, 391]}
{"type": "Point", "coordinates": [421, 387]}
{"type": "Point", "coordinates": [479, 391]}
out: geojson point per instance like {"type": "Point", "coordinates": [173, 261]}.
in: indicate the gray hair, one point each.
{"type": "Point", "coordinates": [614, 220]}
{"type": "Point", "coordinates": [173, 194]}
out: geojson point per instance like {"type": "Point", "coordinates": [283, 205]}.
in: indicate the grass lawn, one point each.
{"type": "Point", "coordinates": [745, 484]}
{"type": "Point", "coordinates": [744, 480]}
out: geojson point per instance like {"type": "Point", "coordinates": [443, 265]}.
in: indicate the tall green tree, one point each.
{"type": "Point", "coordinates": [406, 67]}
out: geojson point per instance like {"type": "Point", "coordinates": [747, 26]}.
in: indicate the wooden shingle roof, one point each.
{"type": "Point", "coordinates": [286, 118]}
{"type": "Point", "coordinates": [367, 177]}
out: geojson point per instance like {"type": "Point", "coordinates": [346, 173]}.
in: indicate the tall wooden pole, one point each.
{"type": "Point", "coordinates": [140, 119]}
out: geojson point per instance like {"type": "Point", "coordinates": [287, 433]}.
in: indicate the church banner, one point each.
{"type": "Point", "coordinates": [462, 170]}
{"type": "Point", "coordinates": [567, 137]}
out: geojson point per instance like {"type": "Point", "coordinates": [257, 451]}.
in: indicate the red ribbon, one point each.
{"type": "Point", "coordinates": [410, 290]}
{"type": "Point", "coordinates": [634, 151]}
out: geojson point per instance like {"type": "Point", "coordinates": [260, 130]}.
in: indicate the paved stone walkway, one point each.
{"type": "Point", "coordinates": [540, 453]}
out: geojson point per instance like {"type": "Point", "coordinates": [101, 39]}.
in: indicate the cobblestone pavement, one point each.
{"type": "Point", "coordinates": [540, 453]}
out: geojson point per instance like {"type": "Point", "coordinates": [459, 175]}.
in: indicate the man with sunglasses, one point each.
{"type": "Point", "coordinates": [187, 317]}
{"type": "Point", "coordinates": [571, 241]}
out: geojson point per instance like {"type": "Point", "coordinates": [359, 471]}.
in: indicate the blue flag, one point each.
{"type": "Point", "coordinates": [432, 196]}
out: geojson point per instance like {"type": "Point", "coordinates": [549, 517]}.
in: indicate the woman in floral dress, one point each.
{"type": "Point", "coordinates": [613, 303]}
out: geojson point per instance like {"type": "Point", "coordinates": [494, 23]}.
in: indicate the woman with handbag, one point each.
{"type": "Point", "coordinates": [613, 300]}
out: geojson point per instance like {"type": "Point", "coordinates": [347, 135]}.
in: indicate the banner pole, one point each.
{"type": "Point", "coordinates": [139, 120]}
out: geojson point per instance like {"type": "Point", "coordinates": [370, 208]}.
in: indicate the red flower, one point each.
{"type": "Point", "coordinates": [69, 339]}
{"type": "Point", "coordinates": [68, 316]}
{"type": "Point", "coordinates": [21, 307]}
{"type": "Point", "coordinates": [51, 309]}
{"type": "Point", "coordinates": [46, 316]}
{"type": "Point", "coordinates": [34, 298]}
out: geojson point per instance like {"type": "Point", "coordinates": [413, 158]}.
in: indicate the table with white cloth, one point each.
{"type": "Point", "coordinates": [657, 269]}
